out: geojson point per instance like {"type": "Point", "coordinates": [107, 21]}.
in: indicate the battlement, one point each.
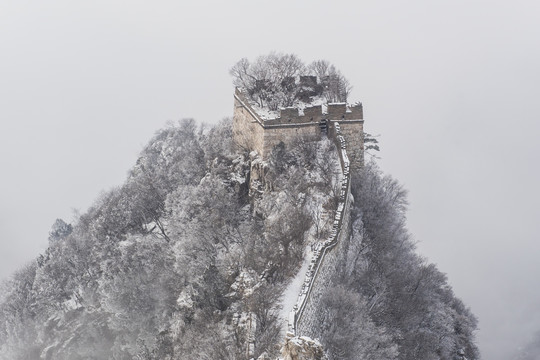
{"type": "Point", "coordinates": [309, 114]}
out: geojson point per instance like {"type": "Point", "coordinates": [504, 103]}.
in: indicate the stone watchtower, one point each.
{"type": "Point", "coordinates": [260, 130]}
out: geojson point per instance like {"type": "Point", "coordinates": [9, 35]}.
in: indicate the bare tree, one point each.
{"type": "Point", "coordinates": [320, 68]}
{"type": "Point", "coordinates": [272, 80]}
{"type": "Point", "coordinates": [242, 74]}
{"type": "Point", "coordinates": [336, 87]}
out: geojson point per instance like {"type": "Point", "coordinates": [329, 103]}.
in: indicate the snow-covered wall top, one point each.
{"type": "Point", "coordinates": [323, 248]}
{"type": "Point", "coordinates": [303, 115]}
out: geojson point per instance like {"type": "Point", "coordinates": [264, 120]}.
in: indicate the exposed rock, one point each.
{"type": "Point", "coordinates": [264, 356]}
{"type": "Point", "coordinates": [258, 175]}
{"type": "Point", "coordinates": [302, 348]}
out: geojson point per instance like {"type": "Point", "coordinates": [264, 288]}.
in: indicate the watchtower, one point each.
{"type": "Point", "coordinates": [260, 130]}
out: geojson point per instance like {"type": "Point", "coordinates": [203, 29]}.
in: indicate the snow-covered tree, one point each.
{"type": "Point", "coordinates": [275, 80]}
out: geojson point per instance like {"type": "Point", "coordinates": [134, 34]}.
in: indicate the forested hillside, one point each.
{"type": "Point", "coordinates": [176, 262]}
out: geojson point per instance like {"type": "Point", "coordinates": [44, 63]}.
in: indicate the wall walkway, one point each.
{"type": "Point", "coordinates": [305, 317]}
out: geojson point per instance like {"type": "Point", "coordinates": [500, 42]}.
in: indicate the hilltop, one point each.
{"type": "Point", "coordinates": [200, 253]}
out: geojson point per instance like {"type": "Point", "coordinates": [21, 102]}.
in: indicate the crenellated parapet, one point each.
{"type": "Point", "coordinates": [316, 114]}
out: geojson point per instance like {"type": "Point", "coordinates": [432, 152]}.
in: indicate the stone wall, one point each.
{"type": "Point", "coordinates": [308, 314]}
{"type": "Point", "coordinates": [313, 316]}
{"type": "Point", "coordinates": [248, 132]}
{"type": "Point", "coordinates": [314, 114]}
{"type": "Point", "coordinates": [274, 135]}
{"type": "Point", "coordinates": [353, 132]}
{"type": "Point", "coordinates": [253, 133]}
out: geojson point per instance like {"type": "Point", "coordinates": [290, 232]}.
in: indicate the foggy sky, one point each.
{"type": "Point", "coordinates": [451, 87]}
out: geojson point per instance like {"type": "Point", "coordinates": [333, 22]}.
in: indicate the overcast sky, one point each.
{"type": "Point", "coordinates": [451, 87]}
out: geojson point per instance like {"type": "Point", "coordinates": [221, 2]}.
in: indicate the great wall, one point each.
{"type": "Point", "coordinates": [304, 315]}
{"type": "Point", "coordinates": [344, 125]}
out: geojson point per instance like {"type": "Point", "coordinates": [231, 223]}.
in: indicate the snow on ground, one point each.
{"type": "Point", "coordinates": [290, 295]}
{"type": "Point", "coordinates": [321, 220]}
{"type": "Point", "coordinates": [266, 114]}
